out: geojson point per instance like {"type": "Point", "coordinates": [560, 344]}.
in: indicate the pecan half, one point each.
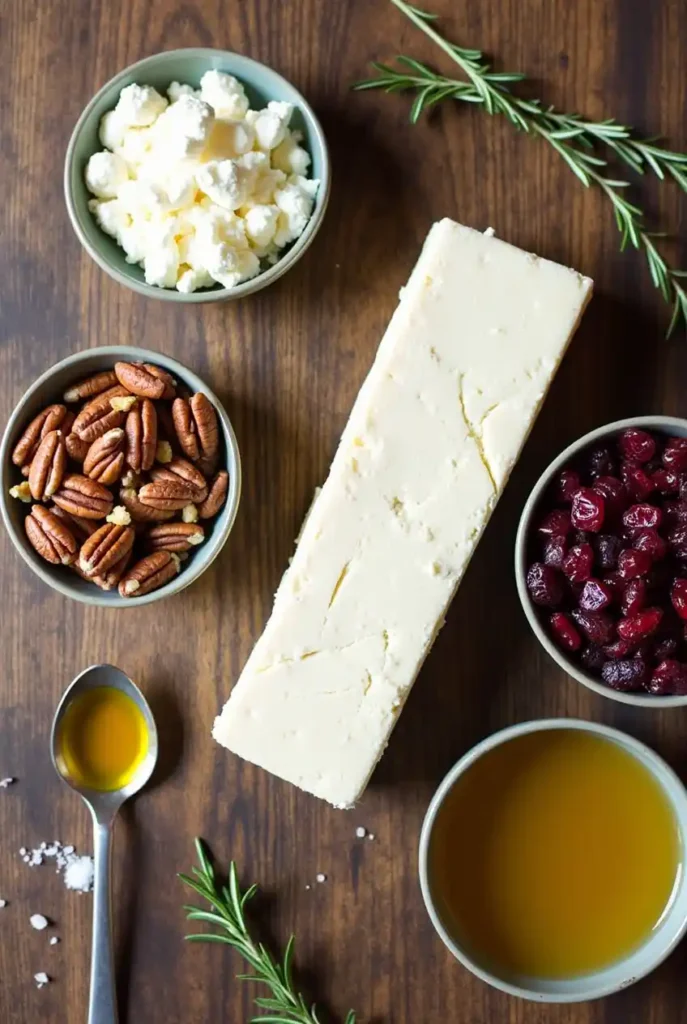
{"type": "Point", "coordinates": [48, 466]}
{"type": "Point", "coordinates": [76, 448]}
{"type": "Point", "coordinates": [175, 537]}
{"type": "Point", "coordinates": [141, 513]}
{"type": "Point", "coordinates": [110, 579]}
{"type": "Point", "coordinates": [171, 495]}
{"type": "Point", "coordinates": [47, 420]}
{"type": "Point", "coordinates": [138, 379]}
{"type": "Point", "coordinates": [50, 536]}
{"type": "Point", "coordinates": [217, 495]}
{"type": "Point", "coordinates": [151, 572]}
{"type": "Point", "coordinates": [195, 422]}
{"type": "Point", "coordinates": [80, 527]}
{"type": "Point", "coordinates": [141, 436]}
{"type": "Point", "coordinates": [166, 378]}
{"type": "Point", "coordinates": [91, 387]}
{"type": "Point", "coordinates": [83, 497]}
{"type": "Point", "coordinates": [107, 546]}
{"type": "Point", "coordinates": [104, 461]}
{"type": "Point", "coordinates": [180, 469]}
{"type": "Point", "coordinates": [98, 416]}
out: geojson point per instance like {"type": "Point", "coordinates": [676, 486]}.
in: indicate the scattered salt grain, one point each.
{"type": "Point", "coordinates": [4, 783]}
{"type": "Point", "coordinates": [361, 832]}
{"type": "Point", "coordinates": [3, 904]}
{"type": "Point", "coordinates": [308, 887]}
{"type": "Point", "coordinates": [38, 922]}
{"type": "Point", "coordinates": [77, 871]}
{"type": "Point", "coordinates": [371, 835]}
{"type": "Point", "coordinates": [321, 878]}
{"type": "Point", "coordinates": [41, 979]}
{"type": "Point", "coordinates": [54, 940]}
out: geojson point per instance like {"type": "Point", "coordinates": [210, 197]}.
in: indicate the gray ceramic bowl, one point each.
{"type": "Point", "coordinates": [49, 388]}
{"type": "Point", "coordinates": [659, 944]}
{"type": "Point", "coordinates": [188, 66]}
{"type": "Point", "coordinates": [667, 425]}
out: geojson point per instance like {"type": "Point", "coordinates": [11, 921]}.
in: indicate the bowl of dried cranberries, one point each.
{"type": "Point", "coordinates": [601, 560]}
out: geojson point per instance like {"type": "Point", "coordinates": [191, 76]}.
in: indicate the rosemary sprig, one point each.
{"type": "Point", "coordinates": [574, 138]}
{"type": "Point", "coordinates": [285, 1005]}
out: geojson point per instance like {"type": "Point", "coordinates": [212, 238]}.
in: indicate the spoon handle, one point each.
{"type": "Point", "coordinates": [102, 1006]}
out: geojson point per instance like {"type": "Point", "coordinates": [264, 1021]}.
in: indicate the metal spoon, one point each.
{"type": "Point", "coordinates": [102, 1007]}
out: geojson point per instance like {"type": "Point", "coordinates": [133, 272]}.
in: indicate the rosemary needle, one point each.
{"type": "Point", "coordinates": [227, 913]}
{"type": "Point", "coordinates": [574, 138]}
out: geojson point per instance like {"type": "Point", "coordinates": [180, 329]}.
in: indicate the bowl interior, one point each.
{"type": "Point", "coordinates": [525, 552]}
{"type": "Point", "coordinates": [50, 388]}
{"type": "Point", "coordinates": [624, 972]}
{"type": "Point", "coordinates": [188, 67]}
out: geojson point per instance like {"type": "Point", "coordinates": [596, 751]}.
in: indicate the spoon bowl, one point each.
{"type": "Point", "coordinates": [103, 804]}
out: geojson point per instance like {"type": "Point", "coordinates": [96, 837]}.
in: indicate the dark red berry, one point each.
{"type": "Point", "coordinates": [596, 626]}
{"type": "Point", "coordinates": [595, 596]}
{"type": "Point", "coordinates": [666, 481]}
{"type": "Point", "coordinates": [638, 517]}
{"type": "Point", "coordinates": [650, 541]}
{"type": "Point", "coordinates": [578, 563]}
{"type": "Point", "coordinates": [633, 563]}
{"type": "Point", "coordinates": [555, 550]}
{"type": "Point", "coordinates": [678, 595]}
{"type": "Point", "coordinates": [544, 585]}
{"type": "Point", "coordinates": [564, 632]}
{"type": "Point", "coordinates": [612, 490]}
{"type": "Point", "coordinates": [641, 625]}
{"type": "Point", "coordinates": [557, 523]}
{"type": "Point", "coordinates": [607, 548]}
{"type": "Point", "coordinates": [601, 463]}
{"type": "Point", "coordinates": [675, 454]}
{"type": "Point", "coordinates": [637, 445]}
{"type": "Point", "coordinates": [625, 675]}
{"type": "Point", "coordinates": [568, 483]}
{"type": "Point", "coordinates": [616, 583]}
{"type": "Point", "coordinates": [637, 483]}
{"type": "Point", "coordinates": [668, 677]}
{"type": "Point", "coordinates": [677, 538]}
{"type": "Point", "coordinates": [682, 485]}
{"type": "Point", "coordinates": [618, 649]}
{"type": "Point", "coordinates": [676, 512]}
{"type": "Point", "coordinates": [588, 509]}
{"type": "Point", "coordinates": [593, 658]}
{"type": "Point", "coordinates": [665, 648]}
{"type": "Point", "coordinates": [634, 597]}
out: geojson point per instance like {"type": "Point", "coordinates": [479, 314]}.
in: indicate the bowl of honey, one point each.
{"type": "Point", "coordinates": [552, 860]}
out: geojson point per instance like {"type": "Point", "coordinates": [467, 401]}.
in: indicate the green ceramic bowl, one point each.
{"type": "Point", "coordinates": [49, 388]}
{"type": "Point", "coordinates": [188, 66]}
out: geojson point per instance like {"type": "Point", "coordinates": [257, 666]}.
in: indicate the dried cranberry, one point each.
{"type": "Point", "coordinates": [568, 482]}
{"type": "Point", "coordinates": [618, 649]}
{"type": "Point", "coordinates": [595, 596]}
{"type": "Point", "coordinates": [633, 563]}
{"type": "Point", "coordinates": [668, 677]}
{"type": "Point", "coordinates": [593, 658]}
{"type": "Point", "coordinates": [665, 648]}
{"type": "Point", "coordinates": [616, 583]}
{"type": "Point", "coordinates": [614, 494]}
{"type": "Point", "coordinates": [637, 444]}
{"type": "Point", "coordinates": [634, 597]}
{"type": "Point", "coordinates": [557, 523]}
{"type": "Point", "coordinates": [677, 538]}
{"type": "Point", "coordinates": [650, 541]}
{"type": "Point", "coordinates": [625, 675]}
{"type": "Point", "coordinates": [666, 481]}
{"type": "Point", "coordinates": [638, 483]}
{"type": "Point", "coordinates": [678, 595]}
{"type": "Point", "coordinates": [676, 512]}
{"type": "Point", "coordinates": [675, 454]}
{"type": "Point", "coordinates": [607, 548]}
{"type": "Point", "coordinates": [601, 463]}
{"type": "Point", "coordinates": [588, 509]}
{"type": "Point", "coordinates": [578, 563]}
{"type": "Point", "coordinates": [564, 632]}
{"type": "Point", "coordinates": [643, 624]}
{"type": "Point", "coordinates": [555, 550]}
{"type": "Point", "coordinates": [596, 626]}
{"type": "Point", "coordinates": [544, 585]}
{"type": "Point", "coordinates": [638, 517]}
{"type": "Point", "coordinates": [682, 485]}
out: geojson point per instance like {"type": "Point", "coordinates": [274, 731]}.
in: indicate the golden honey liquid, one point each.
{"type": "Point", "coordinates": [554, 855]}
{"type": "Point", "coordinates": [103, 739]}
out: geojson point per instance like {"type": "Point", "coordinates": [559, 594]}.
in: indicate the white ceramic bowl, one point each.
{"type": "Point", "coordinates": [626, 971]}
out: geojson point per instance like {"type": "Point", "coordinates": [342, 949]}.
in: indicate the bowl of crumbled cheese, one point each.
{"type": "Point", "coordinates": [197, 175]}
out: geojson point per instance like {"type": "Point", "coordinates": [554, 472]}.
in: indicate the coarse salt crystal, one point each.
{"type": "Point", "coordinates": [371, 835]}
{"type": "Point", "coordinates": [321, 878]}
{"type": "Point", "coordinates": [41, 979]}
{"type": "Point", "coordinates": [361, 832]}
{"type": "Point", "coordinates": [4, 783]}
{"type": "Point", "coordinates": [38, 922]}
{"type": "Point", "coordinates": [3, 903]}
{"type": "Point", "coordinates": [54, 940]}
{"type": "Point", "coordinates": [78, 874]}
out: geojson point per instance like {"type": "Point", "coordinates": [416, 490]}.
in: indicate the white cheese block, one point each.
{"type": "Point", "coordinates": [434, 433]}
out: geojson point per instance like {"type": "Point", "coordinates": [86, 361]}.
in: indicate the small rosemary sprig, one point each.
{"type": "Point", "coordinates": [286, 1005]}
{"type": "Point", "coordinates": [574, 138]}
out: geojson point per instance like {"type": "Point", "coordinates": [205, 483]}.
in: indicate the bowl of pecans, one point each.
{"type": "Point", "coordinates": [120, 476]}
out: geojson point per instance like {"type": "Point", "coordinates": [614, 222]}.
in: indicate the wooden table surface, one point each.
{"type": "Point", "coordinates": [288, 364]}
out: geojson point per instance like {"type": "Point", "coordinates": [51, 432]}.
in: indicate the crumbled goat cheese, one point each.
{"type": "Point", "coordinates": [38, 922]}
{"type": "Point", "coordinates": [41, 979]}
{"type": "Point", "coordinates": [198, 189]}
